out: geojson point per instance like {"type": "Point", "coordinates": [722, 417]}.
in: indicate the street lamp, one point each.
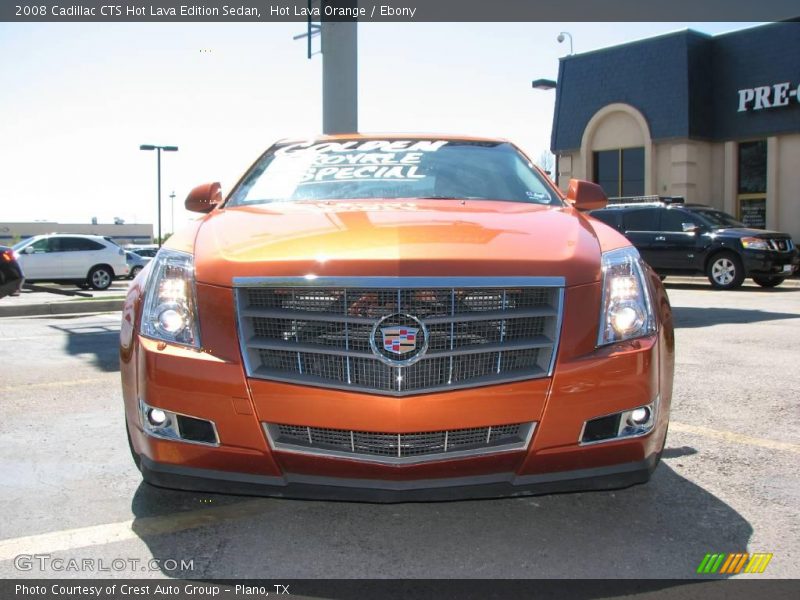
{"type": "Point", "coordinates": [561, 38]}
{"type": "Point", "coordinates": [543, 84]}
{"type": "Point", "coordinates": [158, 150]}
{"type": "Point", "coordinates": [548, 84]}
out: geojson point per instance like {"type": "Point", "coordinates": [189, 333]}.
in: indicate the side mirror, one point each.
{"type": "Point", "coordinates": [204, 198]}
{"type": "Point", "coordinates": [585, 195]}
{"type": "Point", "coordinates": [27, 250]}
{"type": "Point", "coordinates": [690, 227]}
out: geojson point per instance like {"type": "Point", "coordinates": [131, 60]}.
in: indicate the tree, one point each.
{"type": "Point", "coordinates": [546, 162]}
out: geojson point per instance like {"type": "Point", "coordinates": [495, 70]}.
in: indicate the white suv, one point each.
{"type": "Point", "coordinates": [82, 259]}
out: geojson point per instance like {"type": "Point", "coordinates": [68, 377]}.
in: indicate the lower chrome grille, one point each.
{"type": "Point", "coordinates": [399, 447]}
{"type": "Point", "coordinates": [780, 244]}
{"type": "Point", "coordinates": [332, 332]}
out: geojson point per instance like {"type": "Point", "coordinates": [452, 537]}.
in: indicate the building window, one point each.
{"type": "Point", "coordinates": [752, 184]}
{"type": "Point", "coordinates": [620, 172]}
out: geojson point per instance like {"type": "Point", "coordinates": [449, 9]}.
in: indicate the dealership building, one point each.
{"type": "Point", "coordinates": [715, 119]}
{"type": "Point", "coordinates": [121, 233]}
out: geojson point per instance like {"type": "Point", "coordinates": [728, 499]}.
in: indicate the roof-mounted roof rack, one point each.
{"type": "Point", "coordinates": [654, 199]}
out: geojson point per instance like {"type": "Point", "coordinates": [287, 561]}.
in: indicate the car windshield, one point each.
{"type": "Point", "coordinates": [717, 218]}
{"type": "Point", "coordinates": [21, 244]}
{"type": "Point", "coordinates": [390, 169]}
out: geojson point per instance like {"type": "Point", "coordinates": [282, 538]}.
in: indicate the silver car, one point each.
{"type": "Point", "coordinates": [86, 260]}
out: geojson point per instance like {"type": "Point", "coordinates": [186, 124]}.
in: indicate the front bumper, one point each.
{"type": "Point", "coordinates": [371, 490]}
{"type": "Point", "coordinates": [770, 263]}
{"type": "Point", "coordinates": [588, 382]}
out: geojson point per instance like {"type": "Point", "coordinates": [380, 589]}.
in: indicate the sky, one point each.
{"type": "Point", "coordinates": [77, 100]}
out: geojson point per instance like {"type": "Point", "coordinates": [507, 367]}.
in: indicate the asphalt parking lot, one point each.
{"type": "Point", "coordinates": [728, 481]}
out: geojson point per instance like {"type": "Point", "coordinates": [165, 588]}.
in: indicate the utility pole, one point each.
{"type": "Point", "coordinates": [339, 77]}
{"type": "Point", "coordinates": [339, 49]}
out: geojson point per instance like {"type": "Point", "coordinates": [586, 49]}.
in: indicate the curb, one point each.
{"type": "Point", "coordinates": [62, 308]}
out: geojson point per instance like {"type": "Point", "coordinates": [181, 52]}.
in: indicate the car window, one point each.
{"type": "Point", "coordinates": [20, 244]}
{"type": "Point", "coordinates": [641, 219]}
{"type": "Point", "coordinates": [41, 246]}
{"type": "Point", "coordinates": [609, 217]}
{"type": "Point", "coordinates": [717, 218]}
{"type": "Point", "coordinates": [673, 220]}
{"type": "Point", "coordinates": [392, 169]}
{"type": "Point", "coordinates": [79, 244]}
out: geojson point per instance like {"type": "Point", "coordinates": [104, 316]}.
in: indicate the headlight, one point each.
{"type": "Point", "coordinates": [752, 243]}
{"type": "Point", "coordinates": [170, 305]}
{"type": "Point", "coordinates": [626, 308]}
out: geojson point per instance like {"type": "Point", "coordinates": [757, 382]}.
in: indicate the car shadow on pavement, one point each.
{"type": "Point", "coordinates": [99, 341]}
{"type": "Point", "coordinates": [704, 285]}
{"type": "Point", "coordinates": [662, 529]}
{"type": "Point", "coordinates": [693, 316]}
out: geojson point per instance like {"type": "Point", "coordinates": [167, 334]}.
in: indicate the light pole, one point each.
{"type": "Point", "coordinates": [548, 84]}
{"type": "Point", "coordinates": [172, 207]}
{"type": "Point", "coordinates": [158, 150]}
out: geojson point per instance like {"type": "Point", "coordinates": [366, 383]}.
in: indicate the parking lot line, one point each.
{"type": "Point", "coordinates": [98, 535]}
{"type": "Point", "coordinates": [737, 438]}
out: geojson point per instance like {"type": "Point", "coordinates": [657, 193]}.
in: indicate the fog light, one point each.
{"type": "Point", "coordinates": [169, 425]}
{"type": "Point", "coordinates": [626, 424]}
{"type": "Point", "coordinates": [156, 416]}
{"type": "Point", "coordinates": [639, 416]}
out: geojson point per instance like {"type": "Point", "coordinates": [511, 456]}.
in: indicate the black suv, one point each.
{"type": "Point", "coordinates": [676, 238]}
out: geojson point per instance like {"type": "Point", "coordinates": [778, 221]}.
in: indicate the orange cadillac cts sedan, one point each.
{"type": "Point", "coordinates": [391, 318]}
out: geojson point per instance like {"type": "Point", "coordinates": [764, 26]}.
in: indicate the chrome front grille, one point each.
{"type": "Point", "coordinates": [479, 331]}
{"type": "Point", "coordinates": [399, 447]}
{"type": "Point", "coordinates": [780, 244]}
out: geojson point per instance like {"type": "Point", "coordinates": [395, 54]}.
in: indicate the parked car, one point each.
{"type": "Point", "coordinates": [135, 263]}
{"type": "Point", "coordinates": [149, 251]}
{"type": "Point", "coordinates": [396, 319]}
{"type": "Point", "coordinates": [676, 238]}
{"type": "Point", "coordinates": [86, 260]}
{"type": "Point", "coordinates": [11, 277]}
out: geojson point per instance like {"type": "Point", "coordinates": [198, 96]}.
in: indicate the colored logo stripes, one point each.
{"type": "Point", "coordinates": [734, 563]}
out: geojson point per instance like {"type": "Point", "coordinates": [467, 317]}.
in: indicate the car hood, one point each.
{"type": "Point", "coordinates": [740, 232]}
{"type": "Point", "coordinates": [396, 238]}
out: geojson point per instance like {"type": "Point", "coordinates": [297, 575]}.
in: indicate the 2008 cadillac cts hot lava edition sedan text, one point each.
{"type": "Point", "coordinates": [396, 318]}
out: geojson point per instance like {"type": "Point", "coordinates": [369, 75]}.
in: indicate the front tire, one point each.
{"type": "Point", "coordinates": [100, 278]}
{"type": "Point", "coordinates": [725, 271]}
{"type": "Point", "coordinates": [134, 272]}
{"type": "Point", "coordinates": [768, 282]}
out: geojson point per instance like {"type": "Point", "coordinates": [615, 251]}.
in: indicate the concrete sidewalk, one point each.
{"type": "Point", "coordinates": [30, 303]}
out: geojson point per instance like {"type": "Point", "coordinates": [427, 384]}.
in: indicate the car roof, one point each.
{"type": "Point", "coordinates": [392, 136]}
{"type": "Point", "coordinates": [706, 206]}
{"type": "Point", "coordinates": [42, 236]}
{"type": "Point", "coordinates": [83, 235]}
